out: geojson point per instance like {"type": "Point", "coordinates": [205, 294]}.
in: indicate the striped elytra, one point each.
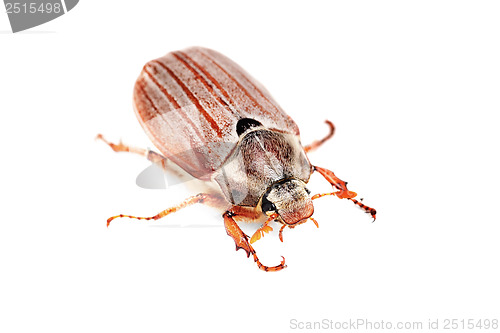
{"type": "Point", "coordinates": [189, 103]}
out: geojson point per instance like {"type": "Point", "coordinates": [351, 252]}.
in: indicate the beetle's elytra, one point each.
{"type": "Point", "coordinates": [206, 114]}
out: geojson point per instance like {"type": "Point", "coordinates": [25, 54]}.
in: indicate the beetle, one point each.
{"type": "Point", "coordinates": [207, 115]}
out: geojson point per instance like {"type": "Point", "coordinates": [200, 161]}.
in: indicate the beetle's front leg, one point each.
{"type": "Point", "coordinates": [241, 239]}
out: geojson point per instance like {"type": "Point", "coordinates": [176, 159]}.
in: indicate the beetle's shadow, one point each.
{"type": "Point", "coordinates": [155, 177]}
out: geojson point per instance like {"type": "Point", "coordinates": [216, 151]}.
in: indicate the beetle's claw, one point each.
{"type": "Point", "coordinates": [283, 262]}
{"type": "Point", "coordinates": [270, 268]}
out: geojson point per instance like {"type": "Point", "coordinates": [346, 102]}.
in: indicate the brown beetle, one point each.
{"type": "Point", "coordinates": [208, 116]}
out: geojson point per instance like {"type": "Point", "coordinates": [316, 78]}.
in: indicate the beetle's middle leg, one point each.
{"type": "Point", "coordinates": [343, 192]}
{"type": "Point", "coordinates": [316, 144]}
{"type": "Point", "coordinates": [152, 156]}
{"type": "Point", "coordinates": [211, 199]}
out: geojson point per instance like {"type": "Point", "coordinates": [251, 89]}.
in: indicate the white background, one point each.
{"type": "Point", "coordinates": [413, 88]}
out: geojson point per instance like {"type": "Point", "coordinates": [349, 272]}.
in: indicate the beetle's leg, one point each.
{"type": "Point", "coordinates": [285, 225]}
{"type": "Point", "coordinates": [281, 232]}
{"type": "Point", "coordinates": [367, 209]}
{"type": "Point", "coordinates": [343, 192]}
{"type": "Point", "coordinates": [371, 211]}
{"type": "Point", "coordinates": [341, 185]}
{"type": "Point", "coordinates": [205, 198]}
{"type": "Point", "coordinates": [241, 239]}
{"type": "Point", "coordinates": [149, 154]}
{"type": "Point", "coordinates": [264, 229]}
{"type": "Point", "coordinates": [316, 144]}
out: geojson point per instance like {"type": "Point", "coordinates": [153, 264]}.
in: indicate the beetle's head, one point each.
{"type": "Point", "coordinates": [290, 200]}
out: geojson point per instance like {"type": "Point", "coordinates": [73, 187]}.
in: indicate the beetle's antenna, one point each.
{"type": "Point", "coordinates": [264, 229]}
{"type": "Point", "coordinates": [315, 222]}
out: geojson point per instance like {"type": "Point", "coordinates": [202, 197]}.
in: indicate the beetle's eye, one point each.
{"type": "Point", "coordinates": [267, 205]}
{"type": "Point", "coordinates": [308, 190]}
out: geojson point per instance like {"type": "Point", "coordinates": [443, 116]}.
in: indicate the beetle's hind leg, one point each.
{"type": "Point", "coordinates": [316, 144]}
{"type": "Point", "coordinates": [152, 156]}
{"type": "Point", "coordinates": [241, 239]}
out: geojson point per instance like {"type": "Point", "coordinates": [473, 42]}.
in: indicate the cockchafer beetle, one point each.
{"type": "Point", "coordinates": [207, 115]}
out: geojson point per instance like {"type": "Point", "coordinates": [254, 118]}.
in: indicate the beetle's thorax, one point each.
{"type": "Point", "coordinates": [261, 158]}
